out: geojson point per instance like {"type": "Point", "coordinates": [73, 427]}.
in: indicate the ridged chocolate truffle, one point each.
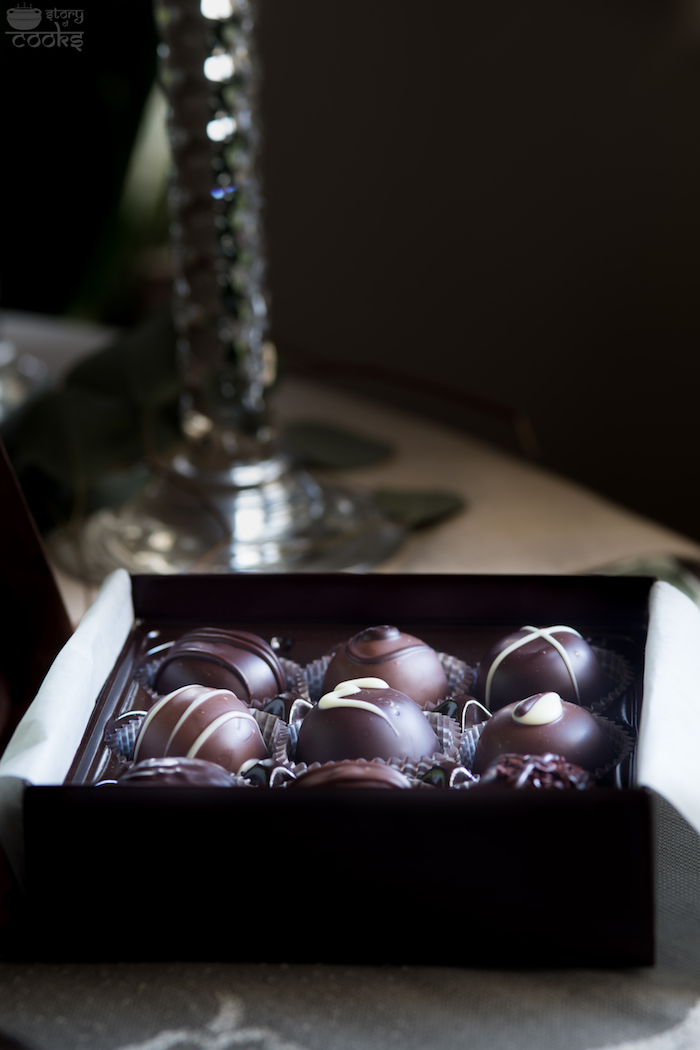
{"type": "Point", "coordinates": [197, 722]}
{"type": "Point", "coordinates": [404, 662]}
{"type": "Point", "coordinates": [535, 659]}
{"type": "Point", "coordinates": [365, 718]}
{"type": "Point", "coordinates": [543, 724]}
{"type": "Point", "coordinates": [360, 774]}
{"type": "Point", "coordinates": [235, 660]}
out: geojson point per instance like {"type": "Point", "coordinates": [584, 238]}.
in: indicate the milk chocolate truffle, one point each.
{"type": "Point", "coordinates": [348, 774]}
{"type": "Point", "coordinates": [235, 660]}
{"type": "Point", "coordinates": [365, 718]}
{"type": "Point", "coordinates": [177, 772]}
{"type": "Point", "coordinates": [544, 772]}
{"type": "Point", "coordinates": [541, 724]}
{"type": "Point", "coordinates": [534, 659]}
{"type": "Point", "coordinates": [196, 722]}
{"type": "Point", "coordinates": [404, 662]}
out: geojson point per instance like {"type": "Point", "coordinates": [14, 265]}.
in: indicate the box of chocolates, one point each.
{"type": "Point", "coordinates": [363, 769]}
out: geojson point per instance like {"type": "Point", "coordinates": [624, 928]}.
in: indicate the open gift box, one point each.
{"type": "Point", "coordinates": [437, 876]}
{"type": "Point", "coordinates": [443, 876]}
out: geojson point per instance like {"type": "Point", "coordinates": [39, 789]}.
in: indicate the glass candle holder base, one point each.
{"type": "Point", "coordinates": [263, 516]}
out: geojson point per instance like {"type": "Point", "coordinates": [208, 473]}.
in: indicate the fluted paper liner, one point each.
{"type": "Point", "coordinates": [618, 671]}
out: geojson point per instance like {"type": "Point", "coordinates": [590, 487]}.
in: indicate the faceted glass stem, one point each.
{"type": "Point", "coordinates": [209, 74]}
{"type": "Point", "coordinates": [228, 500]}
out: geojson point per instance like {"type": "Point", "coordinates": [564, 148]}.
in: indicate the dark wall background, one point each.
{"type": "Point", "coordinates": [502, 196]}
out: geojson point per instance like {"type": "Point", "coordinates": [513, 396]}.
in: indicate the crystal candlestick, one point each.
{"type": "Point", "coordinates": [229, 500]}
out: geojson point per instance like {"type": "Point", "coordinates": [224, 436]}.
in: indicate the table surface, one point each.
{"type": "Point", "coordinates": [519, 519]}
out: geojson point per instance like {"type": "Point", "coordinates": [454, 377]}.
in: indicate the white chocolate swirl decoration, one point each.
{"type": "Point", "coordinates": [541, 709]}
{"type": "Point", "coordinates": [533, 633]}
{"type": "Point", "coordinates": [341, 697]}
{"type": "Point", "coordinates": [229, 716]}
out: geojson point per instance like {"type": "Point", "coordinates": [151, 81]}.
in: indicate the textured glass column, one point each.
{"type": "Point", "coordinates": [228, 500]}
{"type": "Point", "coordinates": [209, 73]}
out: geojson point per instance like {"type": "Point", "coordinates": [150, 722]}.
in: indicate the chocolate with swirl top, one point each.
{"type": "Point", "coordinates": [235, 660]}
{"type": "Point", "coordinates": [404, 662]}
{"type": "Point", "coordinates": [364, 718]}
{"type": "Point", "coordinates": [544, 723]}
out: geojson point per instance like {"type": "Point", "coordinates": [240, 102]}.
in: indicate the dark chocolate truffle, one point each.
{"type": "Point", "coordinates": [235, 660]}
{"type": "Point", "coordinates": [548, 772]}
{"type": "Point", "coordinates": [541, 724]}
{"type": "Point", "coordinates": [177, 772]}
{"type": "Point", "coordinates": [365, 719]}
{"type": "Point", "coordinates": [196, 722]}
{"type": "Point", "coordinates": [534, 659]}
{"type": "Point", "coordinates": [360, 774]}
{"type": "Point", "coordinates": [404, 662]}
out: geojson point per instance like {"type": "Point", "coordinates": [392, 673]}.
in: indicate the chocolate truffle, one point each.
{"type": "Point", "coordinates": [360, 774]}
{"type": "Point", "coordinates": [365, 718]}
{"type": "Point", "coordinates": [541, 724]}
{"type": "Point", "coordinates": [534, 659]}
{"type": "Point", "coordinates": [177, 772]}
{"type": "Point", "coordinates": [196, 722]}
{"type": "Point", "coordinates": [404, 662]}
{"type": "Point", "coordinates": [235, 660]}
{"type": "Point", "coordinates": [535, 771]}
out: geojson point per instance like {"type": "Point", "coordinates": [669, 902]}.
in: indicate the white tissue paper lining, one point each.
{"type": "Point", "coordinates": [668, 749]}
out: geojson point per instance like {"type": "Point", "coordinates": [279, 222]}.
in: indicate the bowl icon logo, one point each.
{"type": "Point", "coordinates": [24, 17]}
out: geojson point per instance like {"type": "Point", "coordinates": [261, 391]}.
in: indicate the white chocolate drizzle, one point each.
{"type": "Point", "coordinates": [152, 713]}
{"type": "Point", "coordinates": [194, 702]}
{"type": "Point", "coordinates": [534, 632]}
{"type": "Point", "coordinates": [341, 697]}
{"type": "Point", "coordinates": [542, 713]}
{"type": "Point", "coordinates": [193, 705]}
{"type": "Point", "coordinates": [227, 716]}
{"type": "Point", "coordinates": [353, 685]}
